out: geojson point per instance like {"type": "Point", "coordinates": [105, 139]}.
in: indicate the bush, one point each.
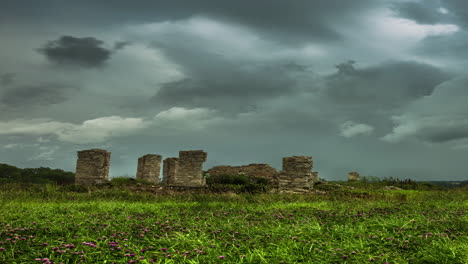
{"type": "Point", "coordinates": [239, 183]}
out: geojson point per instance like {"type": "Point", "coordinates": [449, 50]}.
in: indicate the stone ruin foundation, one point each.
{"type": "Point", "coordinates": [353, 176]}
{"type": "Point", "coordinates": [92, 167]}
{"type": "Point", "coordinates": [187, 170]}
{"type": "Point", "coordinates": [296, 174]}
{"type": "Point", "coordinates": [264, 171]}
{"type": "Point", "coordinates": [149, 167]}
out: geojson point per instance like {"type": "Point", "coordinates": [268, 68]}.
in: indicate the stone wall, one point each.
{"type": "Point", "coordinates": [255, 170]}
{"type": "Point", "coordinates": [92, 167]}
{"type": "Point", "coordinates": [190, 169]}
{"type": "Point", "coordinates": [296, 173]}
{"type": "Point", "coordinates": [353, 176]}
{"type": "Point", "coordinates": [149, 167]}
{"type": "Point", "coordinates": [170, 168]}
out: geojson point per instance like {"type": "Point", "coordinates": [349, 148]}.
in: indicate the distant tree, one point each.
{"type": "Point", "coordinates": [41, 175]}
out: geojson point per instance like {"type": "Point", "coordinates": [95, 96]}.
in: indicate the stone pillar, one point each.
{"type": "Point", "coordinates": [353, 176]}
{"type": "Point", "coordinates": [92, 167]}
{"type": "Point", "coordinates": [170, 168]}
{"type": "Point", "coordinates": [149, 167]}
{"type": "Point", "coordinates": [315, 177]}
{"type": "Point", "coordinates": [296, 173]}
{"type": "Point", "coordinates": [190, 170]}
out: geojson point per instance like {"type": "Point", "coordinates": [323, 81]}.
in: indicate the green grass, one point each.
{"type": "Point", "coordinates": [119, 226]}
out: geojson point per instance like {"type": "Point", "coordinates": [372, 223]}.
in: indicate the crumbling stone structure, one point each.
{"type": "Point", "coordinates": [296, 173]}
{"type": "Point", "coordinates": [187, 170]}
{"type": "Point", "coordinates": [170, 167]}
{"type": "Point", "coordinates": [264, 171]}
{"type": "Point", "coordinates": [353, 176]}
{"type": "Point", "coordinates": [92, 167]}
{"type": "Point", "coordinates": [149, 167]}
{"type": "Point", "coordinates": [315, 177]}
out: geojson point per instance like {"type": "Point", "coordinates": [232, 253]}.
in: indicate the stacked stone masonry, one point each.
{"type": "Point", "coordinates": [170, 168]}
{"type": "Point", "coordinates": [190, 169]}
{"type": "Point", "coordinates": [149, 167]}
{"type": "Point", "coordinates": [92, 167]}
{"type": "Point", "coordinates": [296, 174]}
{"type": "Point", "coordinates": [264, 171]}
{"type": "Point", "coordinates": [353, 176]}
{"type": "Point", "coordinates": [187, 170]}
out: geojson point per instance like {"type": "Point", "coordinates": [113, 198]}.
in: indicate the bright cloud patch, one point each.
{"type": "Point", "coordinates": [181, 118]}
{"type": "Point", "coordinates": [90, 131]}
{"type": "Point", "coordinates": [400, 28]}
{"type": "Point", "coordinates": [351, 129]}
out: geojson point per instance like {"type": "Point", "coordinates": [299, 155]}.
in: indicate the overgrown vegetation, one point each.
{"type": "Point", "coordinates": [48, 224]}
{"type": "Point", "coordinates": [239, 183]}
{"type": "Point", "coordinates": [131, 221]}
{"type": "Point", "coordinates": [12, 174]}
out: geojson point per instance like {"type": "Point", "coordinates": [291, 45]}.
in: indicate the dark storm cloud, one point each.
{"type": "Point", "coordinates": [291, 21]}
{"type": "Point", "coordinates": [441, 117]}
{"type": "Point", "coordinates": [388, 85]}
{"type": "Point", "coordinates": [230, 89]}
{"type": "Point", "coordinates": [443, 135]}
{"type": "Point", "coordinates": [460, 10]}
{"type": "Point", "coordinates": [85, 51]}
{"type": "Point", "coordinates": [429, 11]}
{"type": "Point", "coordinates": [42, 94]}
{"type": "Point", "coordinates": [452, 47]}
{"type": "Point", "coordinates": [425, 12]}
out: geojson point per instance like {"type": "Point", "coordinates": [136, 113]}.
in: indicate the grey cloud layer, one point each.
{"type": "Point", "coordinates": [248, 81]}
{"type": "Point", "coordinates": [429, 12]}
{"type": "Point", "coordinates": [41, 94]}
{"type": "Point", "coordinates": [390, 84]}
{"type": "Point", "coordinates": [289, 21]}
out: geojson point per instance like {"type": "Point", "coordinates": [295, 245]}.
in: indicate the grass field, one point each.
{"type": "Point", "coordinates": [48, 225]}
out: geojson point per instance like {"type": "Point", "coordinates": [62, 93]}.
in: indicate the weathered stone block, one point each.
{"type": "Point", "coordinates": [296, 173]}
{"type": "Point", "coordinates": [190, 169]}
{"type": "Point", "coordinates": [170, 168]}
{"type": "Point", "coordinates": [92, 167]}
{"type": "Point", "coordinates": [149, 167]}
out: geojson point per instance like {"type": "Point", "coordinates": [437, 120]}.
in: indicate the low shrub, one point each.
{"type": "Point", "coordinates": [239, 183]}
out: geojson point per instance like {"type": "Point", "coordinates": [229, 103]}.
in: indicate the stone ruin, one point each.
{"type": "Point", "coordinates": [353, 176]}
{"type": "Point", "coordinates": [92, 167]}
{"type": "Point", "coordinates": [149, 167]}
{"type": "Point", "coordinates": [296, 174]}
{"type": "Point", "coordinates": [187, 170]}
{"type": "Point", "coordinates": [315, 177]}
{"type": "Point", "coordinates": [170, 166]}
{"type": "Point", "coordinates": [264, 171]}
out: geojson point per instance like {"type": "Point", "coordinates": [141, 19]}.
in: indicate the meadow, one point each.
{"type": "Point", "coordinates": [50, 224]}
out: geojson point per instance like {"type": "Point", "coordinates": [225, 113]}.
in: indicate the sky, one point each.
{"type": "Point", "coordinates": [374, 86]}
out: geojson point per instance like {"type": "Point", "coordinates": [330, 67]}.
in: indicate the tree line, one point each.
{"type": "Point", "coordinates": [42, 175]}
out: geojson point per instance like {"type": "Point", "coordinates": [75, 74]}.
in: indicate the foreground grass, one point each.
{"type": "Point", "coordinates": [124, 227]}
